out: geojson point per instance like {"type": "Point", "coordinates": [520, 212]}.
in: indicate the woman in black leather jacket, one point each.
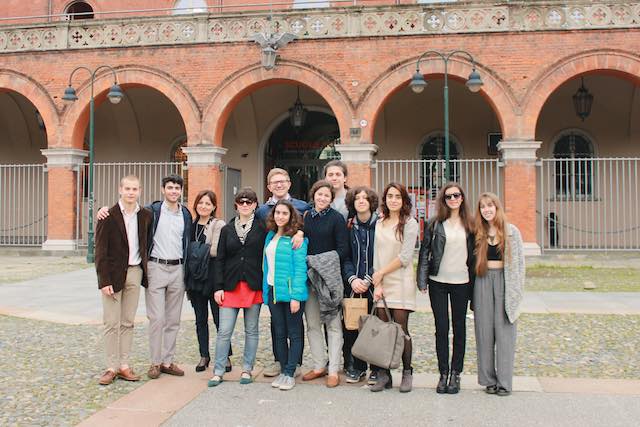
{"type": "Point", "coordinates": [446, 270]}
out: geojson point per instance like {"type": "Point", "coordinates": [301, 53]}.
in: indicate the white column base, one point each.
{"type": "Point", "coordinates": [60, 245]}
{"type": "Point", "coordinates": [532, 249]}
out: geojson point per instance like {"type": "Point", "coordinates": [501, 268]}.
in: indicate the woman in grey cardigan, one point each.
{"type": "Point", "coordinates": [497, 294]}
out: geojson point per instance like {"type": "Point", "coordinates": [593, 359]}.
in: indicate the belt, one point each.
{"type": "Point", "coordinates": [166, 261]}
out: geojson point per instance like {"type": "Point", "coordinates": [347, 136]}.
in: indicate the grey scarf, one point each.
{"type": "Point", "coordinates": [243, 231]}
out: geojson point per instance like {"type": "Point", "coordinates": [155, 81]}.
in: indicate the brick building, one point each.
{"type": "Point", "coordinates": [199, 101]}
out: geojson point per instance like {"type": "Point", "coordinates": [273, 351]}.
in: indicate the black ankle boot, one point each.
{"type": "Point", "coordinates": [204, 364]}
{"type": "Point", "coordinates": [384, 381]}
{"type": "Point", "coordinates": [454, 383]}
{"type": "Point", "coordinates": [442, 383]}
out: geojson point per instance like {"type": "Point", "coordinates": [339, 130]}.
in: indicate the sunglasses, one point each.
{"type": "Point", "coordinates": [245, 202]}
{"type": "Point", "coordinates": [453, 196]}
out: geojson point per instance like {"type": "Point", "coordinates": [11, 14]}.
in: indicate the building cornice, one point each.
{"type": "Point", "coordinates": [347, 22]}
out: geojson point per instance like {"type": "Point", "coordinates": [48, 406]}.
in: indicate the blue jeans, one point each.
{"type": "Point", "coordinates": [288, 338]}
{"type": "Point", "coordinates": [228, 318]}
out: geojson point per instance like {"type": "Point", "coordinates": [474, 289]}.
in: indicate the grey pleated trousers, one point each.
{"type": "Point", "coordinates": [495, 335]}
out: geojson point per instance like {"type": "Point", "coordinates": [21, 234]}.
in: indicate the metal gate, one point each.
{"type": "Point", "coordinates": [23, 205]}
{"type": "Point", "coordinates": [589, 204]}
{"type": "Point", "coordinates": [106, 179]}
{"type": "Point", "coordinates": [423, 179]}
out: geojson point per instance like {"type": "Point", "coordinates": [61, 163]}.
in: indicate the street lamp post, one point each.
{"type": "Point", "coordinates": [418, 83]}
{"type": "Point", "coordinates": [115, 95]}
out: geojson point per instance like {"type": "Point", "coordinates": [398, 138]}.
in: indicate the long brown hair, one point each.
{"type": "Point", "coordinates": [444, 212]}
{"type": "Point", "coordinates": [482, 232]}
{"type": "Point", "coordinates": [214, 201]}
{"type": "Point", "coordinates": [405, 210]}
{"type": "Point", "coordinates": [292, 226]}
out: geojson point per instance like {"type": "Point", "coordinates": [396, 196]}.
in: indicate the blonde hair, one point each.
{"type": "Point", "coordinates": [482, 233]}
{"type": "Point", "coordinates": [276, 171]}
{"type": "Point", "coordinates": [129, 177]}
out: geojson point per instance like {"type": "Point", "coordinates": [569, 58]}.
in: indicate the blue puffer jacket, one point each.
{"type": "Point", "coordinates": [290, 276]}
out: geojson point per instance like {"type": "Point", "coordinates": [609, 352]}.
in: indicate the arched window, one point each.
{"type": "Point", "coordinates": [574, 173]}
{"type": "Point", "coordinates": [185, 7]}
{"type": "Point", "coordinates": [433, 171]}
{"type": "Point", "coordinates": [79, 10]}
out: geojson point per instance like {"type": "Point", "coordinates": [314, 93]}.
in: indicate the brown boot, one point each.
{"type": "Point", "coordinates": [384, 381]}
{"type": "Point", "coordinates": [407, 380]}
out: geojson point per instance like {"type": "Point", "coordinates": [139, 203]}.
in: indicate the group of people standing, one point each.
{"type": "Point", "coordinates": [301, 259]}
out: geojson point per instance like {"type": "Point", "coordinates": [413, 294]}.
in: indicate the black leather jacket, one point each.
{"type": "Point", "coordinates": [431, 252]}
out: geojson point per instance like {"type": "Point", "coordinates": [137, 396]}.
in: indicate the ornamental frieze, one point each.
{"type": "Point", "coordinates": [443, 18]}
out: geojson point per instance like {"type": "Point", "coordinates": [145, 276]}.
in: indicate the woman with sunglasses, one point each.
{"type": "Point", "coordinates": [497, 294]}
{"type": "Point", "coordinates": [446, 268]}
{"type": "Point", "coordinates": [284, 287]}
{"type": "Point", "coordinates": [393, 276]}
{"type": "Point", "coordinates": [238, 283]}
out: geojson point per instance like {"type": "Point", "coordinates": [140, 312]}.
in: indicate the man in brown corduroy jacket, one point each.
{"type": "Point", "coordinates": [121, 262]}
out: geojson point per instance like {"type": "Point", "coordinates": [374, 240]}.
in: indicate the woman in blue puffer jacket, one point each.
{"type": "Point", "coordinates": [284, 283]}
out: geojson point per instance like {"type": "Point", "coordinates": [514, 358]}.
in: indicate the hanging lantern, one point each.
{"type": "Point", "coordinates": [582, 101]}
{"type": "Point", "coordinates": [297, 113]}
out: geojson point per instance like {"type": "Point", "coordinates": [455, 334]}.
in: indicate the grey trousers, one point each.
{"type": "Point", "coordinates": [316, 337]}
{"type": "Point", "coordinates": [495, 335]}
{"type": "Point", "coordinates": [163, 298]}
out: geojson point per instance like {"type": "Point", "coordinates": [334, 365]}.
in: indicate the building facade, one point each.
{"type": "Point", "coordinates": [554, 129]}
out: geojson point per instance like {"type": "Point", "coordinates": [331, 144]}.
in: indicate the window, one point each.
{"type": "Point", "coordinates": [433, 171]}
{"type": "Point", "coordinates": [79, 10]}
{"type": "Point", "coordinates": [309, 4]}
{"type": "Point", "coordinates": [573, 169]}
{"type": "Point", "coordinates": [185, 7]}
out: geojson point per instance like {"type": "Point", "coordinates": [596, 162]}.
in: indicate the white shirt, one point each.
{"type": "Point", "coordinates": [131, 225]}
{"type": "Point", "coordinates": [270, 254]}
{"type": "Point", "coordinates": [167, 240]}
{"type": "Point", "coordinates": [453, 267]}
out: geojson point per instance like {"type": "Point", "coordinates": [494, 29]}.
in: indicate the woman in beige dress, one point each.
{"type": "Point", "coordinates": [393, 275]}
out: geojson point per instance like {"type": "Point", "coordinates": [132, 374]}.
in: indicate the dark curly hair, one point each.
{"type": "Point", "coordinates": [350, 199]}
{"type": "Point", "coordinates": [405, 210]}
{"type": "Point", "coordinates": [294, 223]}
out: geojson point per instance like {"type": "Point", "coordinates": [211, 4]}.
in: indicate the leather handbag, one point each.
{"type": "Point", "coordinates": [379, 343]}
{"type": "Point", "coordinates": [352, 309]}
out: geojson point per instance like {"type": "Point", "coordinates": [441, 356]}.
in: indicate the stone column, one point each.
{"type": "Point", "coordinates": [520, 189]}
{"type": "Point", "coordinates": [204, 171]}
{"type": "Point", "coordinates": [62, 199]}
{"type": "Point", "coordinates": [358, 159]}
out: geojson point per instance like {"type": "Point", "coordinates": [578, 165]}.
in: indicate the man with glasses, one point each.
{"type": "Point", "coordinates": [279, 183]}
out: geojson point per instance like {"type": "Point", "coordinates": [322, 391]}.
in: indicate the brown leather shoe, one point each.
{"type": "Point", "coordinates": [153, 372]}
{"type": "Point", "coordinates": [107, 378]}
{"type": "Point", "coordinates": [172, 370]}
{"type": "Point", "coordinates": [333, 381]}
{"type": "Point", "coordinates": [128, 375]}
{"type": "Point", "coordinates": [312, 375]}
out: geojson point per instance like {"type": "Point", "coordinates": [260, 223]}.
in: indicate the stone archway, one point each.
{"type": "Point", "coordinates": [225, 97]}
{"type": "Point", "coordinates": [495, 91]}
{"type": "Point", "coordinates": [616, 62]}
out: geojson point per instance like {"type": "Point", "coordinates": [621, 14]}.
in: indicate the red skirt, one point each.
{"type": "Point", "coordinates": [241, 297]}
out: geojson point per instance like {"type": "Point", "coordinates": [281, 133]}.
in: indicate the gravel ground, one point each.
{"type": "Point", "coordinates": [570, 278]}
{"type": "Point", "coordinates": [50, 371]}
{"type": "Point", "coordinates": [20, 268]}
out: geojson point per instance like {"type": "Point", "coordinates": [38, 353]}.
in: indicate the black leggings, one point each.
{"type": "Point", "coordinates": [439, 294]}
{"type": "Point", "coordinates": [200, 305]}
{"type": "Point", "coordinates": [401, 317]}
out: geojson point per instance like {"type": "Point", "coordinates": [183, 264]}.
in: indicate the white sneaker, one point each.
{"type": "Point", "coordinates": [287, 383]}
{"type": "Point", "coordinates": [272, 370]}
{"type": "Point", "coordinates": [278, 381]}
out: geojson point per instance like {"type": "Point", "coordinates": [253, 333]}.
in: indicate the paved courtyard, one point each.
{"type": "Point", "coordinates": [575, 350]}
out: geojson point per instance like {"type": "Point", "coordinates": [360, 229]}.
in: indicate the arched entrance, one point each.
{"type": "Point", "coordinates": [303, 151]}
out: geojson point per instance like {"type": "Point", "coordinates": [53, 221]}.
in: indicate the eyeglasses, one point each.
{"type": "Point", "coordinates": [245, 202]}
{"type": "Point", "coordinates": [278, 183]}
{"type": "Point", "coordinates": [453, 196]}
